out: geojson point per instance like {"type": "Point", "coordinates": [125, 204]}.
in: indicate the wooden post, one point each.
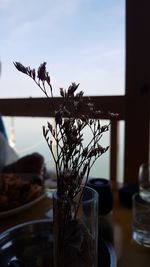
{"type": "Point", "coordinates": [137, 87]}
{"type": "Point", "coordinates": [113, 150]}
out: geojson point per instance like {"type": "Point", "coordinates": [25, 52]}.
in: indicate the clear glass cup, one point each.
{"type": "Point", "coordinates": [76, 237]}
{"type": "Point", "coordinates": [141, 220]}
{"type": "Point", "coordinates": [144, 181]}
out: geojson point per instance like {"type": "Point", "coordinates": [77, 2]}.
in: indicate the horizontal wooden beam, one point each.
{"type": "Point", "coordinates": [42, 107]}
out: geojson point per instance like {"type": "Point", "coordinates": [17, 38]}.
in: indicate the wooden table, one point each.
{"type": "Point", "coordinates": [127, 251]}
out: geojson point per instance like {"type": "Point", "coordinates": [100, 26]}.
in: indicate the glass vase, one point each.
{"type": "Point", "coordinates": [75, 230]}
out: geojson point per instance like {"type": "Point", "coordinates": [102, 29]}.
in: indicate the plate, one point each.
{"type": "Point", "coordinates": [22, 207]}
{"type": "Point", "coordinates": [29, 244]}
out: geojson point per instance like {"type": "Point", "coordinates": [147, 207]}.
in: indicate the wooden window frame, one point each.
{"type": "Point", "coordinates": [41, 107]}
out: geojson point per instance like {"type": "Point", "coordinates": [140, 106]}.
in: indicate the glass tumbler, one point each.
{"type": "Point", "coordinates": [76, 234]}
{"type": "Point", "coordinates": [144, 181]}
{"type": "Point", "coordinates": [141, 220]}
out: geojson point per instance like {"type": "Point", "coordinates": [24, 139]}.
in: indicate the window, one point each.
{"type": "Point", "coordinates": [81, 40]}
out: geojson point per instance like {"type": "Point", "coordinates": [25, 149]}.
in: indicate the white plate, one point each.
{"type": "Point", "coordinates": [22, 207]}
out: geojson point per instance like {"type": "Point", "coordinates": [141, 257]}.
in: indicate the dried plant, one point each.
{"type": "Point", "coordinates": [73, 159]}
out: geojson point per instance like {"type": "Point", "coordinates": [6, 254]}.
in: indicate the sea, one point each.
{"type": "Point", "coordinates": [25, 136]}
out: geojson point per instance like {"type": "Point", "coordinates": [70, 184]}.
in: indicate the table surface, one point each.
{"type": "Point", "coordinates": [127, 251]}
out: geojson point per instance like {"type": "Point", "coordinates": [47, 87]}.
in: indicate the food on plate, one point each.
{"type": "Point", "coordinates": [22, 181]}
{"type": "Point", "coordinates": [18, 189]}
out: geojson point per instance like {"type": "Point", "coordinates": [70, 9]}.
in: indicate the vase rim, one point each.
{"type": "Point", "coordinates": [93, 196]}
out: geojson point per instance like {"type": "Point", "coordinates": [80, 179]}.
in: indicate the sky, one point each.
{"type": "Point", "coordinates": [82, 41]}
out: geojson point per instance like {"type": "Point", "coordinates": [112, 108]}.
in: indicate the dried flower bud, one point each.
{"type": "Point", "coordinates": [85, 152]}
{"type": "Point", "coordinates": [72, 88]}
{"type": "Point", "coordinates": [98, 125]}
{"type": "Point", "coordinates": [91, 121]}
{"type": "Point", "coordinates": [29, 71]}
{"type": "Point", "coordinates": [79, 95]}
{"type": "Point", "coordinates": [20, 67]}
{"type": "Point", "coordinates": [79, 124]}
{"type": "Point", "coordinates": [90, 106]}
{"type": "Point", "coordinates": [45, 131]}
{"type": "Point", "coordinates": [100, 149]}
{"type": "Point", "coordinates": [42, 72]}
{"type": "Point", "coordinates": [93, 152]}
{"type": "Point", "coordinates": [50, 144]}
{"type": "Point", "coordinates": [49, 125]}
{"type": "Point", "coordinates": [113, 115]}
{"type": "Point", "coordinates": [58, 117]}
{"type": "Point", "coordinates": [33, 74]}
{"type": "Point", "coordinates": [106, 148]}
{"type": "Point", "coordinates": [48, 78]}
{"type": "Point", "coordinates": [104, 128]}
{"type": "Point", "coordinates": [62, 92]}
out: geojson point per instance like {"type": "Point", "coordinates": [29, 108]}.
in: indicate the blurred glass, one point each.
{"type": "Point", "coordinates": [141, 220]}
{"type": "Point", "coordinates": [144, 181]}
